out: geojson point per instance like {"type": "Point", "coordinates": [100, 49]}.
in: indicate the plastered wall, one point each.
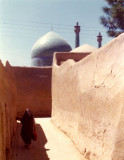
{"type": "Point", "coordinates": [33, 90]}
{"type": "Point", "coordinates": [88, 101]}
{"type": "Point", "coordinates": [61, 57]}
{"type": "Point", "coordinates": [21, 88]}
{"type": "Point", "coordinates": [7, 109]}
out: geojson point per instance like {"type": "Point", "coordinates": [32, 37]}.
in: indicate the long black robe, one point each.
{"type": "Point", "coordinates": [27, 128]}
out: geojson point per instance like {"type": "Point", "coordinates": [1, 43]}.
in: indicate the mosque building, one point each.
{"type": "Point", "coordinates": [44, 48]}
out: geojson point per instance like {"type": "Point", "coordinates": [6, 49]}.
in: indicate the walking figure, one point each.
{"type": "Point", "coordinates": [28, 127]}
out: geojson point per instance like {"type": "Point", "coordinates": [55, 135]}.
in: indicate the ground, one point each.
{"type": "Point", "coordinates": [52, 144]}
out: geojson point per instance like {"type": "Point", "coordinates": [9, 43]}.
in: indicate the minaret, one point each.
{"type": "Point", "coordinates": [77, 38]}
{"type": "Point", "coordinates": [99, 39]}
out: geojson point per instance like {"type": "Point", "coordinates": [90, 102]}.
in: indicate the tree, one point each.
{"type": "Point", "coordinates": [114, 20]}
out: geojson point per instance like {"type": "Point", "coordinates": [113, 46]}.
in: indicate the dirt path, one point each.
{"type": "Point", "coordinates": [52, 144]}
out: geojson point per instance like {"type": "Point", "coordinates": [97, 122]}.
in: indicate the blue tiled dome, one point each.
{"type": "Point", "coordinates": [43, 49]}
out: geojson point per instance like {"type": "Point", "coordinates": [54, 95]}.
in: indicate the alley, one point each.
{"type": "Point", "coordinates": [51, 144]}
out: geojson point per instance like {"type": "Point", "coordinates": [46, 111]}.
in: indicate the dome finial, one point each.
{"type": "Point", "coordinates": [51, 27]}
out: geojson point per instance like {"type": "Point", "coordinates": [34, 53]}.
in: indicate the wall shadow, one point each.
{"type": "Point", "coordinates": [40, 143]}
{"type": "Point", "coordinates": [37, 150]}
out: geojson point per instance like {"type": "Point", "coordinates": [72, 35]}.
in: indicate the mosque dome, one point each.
{"type": "Point", "coordinates": [42, 51]}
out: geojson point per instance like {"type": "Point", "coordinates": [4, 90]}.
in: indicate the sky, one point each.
{"type": "Point", "coordinates": [23, 22]}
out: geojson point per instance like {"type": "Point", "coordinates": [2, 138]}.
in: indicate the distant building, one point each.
{"type": "Point", "coordinates": [99, 39]}
{"type": "Point", "coordinates": [44, 48]}
{"type": "Point", "coordinates": [77, 36]}
{"type": "Point", "coordinates": [86, 48]}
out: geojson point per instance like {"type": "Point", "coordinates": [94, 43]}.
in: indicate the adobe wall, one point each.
{"type": "Point", "coordinates": [7, 109]}
{"type": "Point", "coordinates": [33, 90]}
{"type": "Point", "coordinates": [88, 101]}
{"type": "Point", "coordinates": [61, 57]}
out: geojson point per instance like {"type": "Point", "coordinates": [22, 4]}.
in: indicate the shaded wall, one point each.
{"type": "Point", "coordinates": [7, 109]}
{"type": "Point", "coordinates": [33, 90]}
{"type": "Point", "coordinates": [61, 57]}
{"type": "Point", "coordinates": [88, 101]}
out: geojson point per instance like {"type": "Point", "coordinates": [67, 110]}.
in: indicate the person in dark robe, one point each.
{"type": "Point", "coordinates": [28, 127]}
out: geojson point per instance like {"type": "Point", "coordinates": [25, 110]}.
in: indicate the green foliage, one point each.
{"type": "Point", "coordinates": [114, 19]}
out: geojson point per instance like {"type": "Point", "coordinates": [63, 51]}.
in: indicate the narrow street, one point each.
{"type": "Point", "coordinates": [51, 144]}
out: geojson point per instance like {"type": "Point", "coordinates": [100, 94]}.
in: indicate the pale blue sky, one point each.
{"type": "Point", "coordinates": [22, 22]}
